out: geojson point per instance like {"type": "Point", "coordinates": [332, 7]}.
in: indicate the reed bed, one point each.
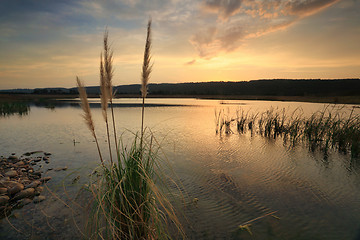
{"type": "Point", "coordinates": [325, 129]}
{"type": "Point", "coordinates": [129, 202]}
{"type": "Point", "coordinates": [11, 108]}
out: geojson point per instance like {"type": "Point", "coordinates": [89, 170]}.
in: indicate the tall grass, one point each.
{"type": "Point", "coordinates": [10, 108]}
{"type": "Point", "coordinates": [128, 203]}
{"type": "Point", "coordinates": [325, 129]}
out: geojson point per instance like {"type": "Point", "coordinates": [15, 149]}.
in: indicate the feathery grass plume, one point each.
{"type": "Point", "coordinates": [104, 96]}
{"type": "Point", "coordinates": [103, 90]}
{"type": "Point", "coordinates": [87, 113]}
{"type": "Point", "coordinates": [108, 69]}
{"type": "Point", "coordinates": [147, 67]}
{"type": "Point", "coordinates": [108, 75]}
{"type": "Point", "coordinates": [145, 76]}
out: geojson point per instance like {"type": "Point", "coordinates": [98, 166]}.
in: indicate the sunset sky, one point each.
{"type": "Point", "coordinates": [47, 43]}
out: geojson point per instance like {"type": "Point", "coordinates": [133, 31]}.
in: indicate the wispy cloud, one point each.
{"type": "Point", "coordinates": [236, 21]}
{"type": "Point", "coordinates": [190, 62]}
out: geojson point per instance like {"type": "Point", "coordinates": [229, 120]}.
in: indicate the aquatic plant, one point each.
{"type": "Point", "coordinates": [128, 204]}
{"type": "Point", "coordinates": [11, 108]}
{"type": "Point", "coordinates": [324, 130]}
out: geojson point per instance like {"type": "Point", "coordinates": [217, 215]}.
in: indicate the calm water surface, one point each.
{"type": "Point", "coordinates": [235, 178]}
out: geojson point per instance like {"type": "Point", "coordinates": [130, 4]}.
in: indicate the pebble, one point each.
{"type": "Point", "coordinates": [15, 188]}
{"type": "Point", "coordinates": [45, 179]}
{"type": "Point", "coordinates": [29, 192]}
{"type": "Point", "coordinates": [38, 199]}
{"type": "Point", "coordinates": [5, 179]}
{"type": "Point", "coordinates": [38, 173]}
{"type": "Point", "coordinates": [38, 190]}
{"type": "Point", "coordinates": [34, 184]}
{"type": "Point", "coordinates": [11, 173]}
{"type": "Point", "coordinates": [60, 169]}
{"type": "Point", "coordinates": [20, 163]}
{"type": "Point", "coordinates": [4, 200]}
{"type": "Point", "coordinates": [3, 190]}
{"type": "Point", "coordinates": [24, 201]}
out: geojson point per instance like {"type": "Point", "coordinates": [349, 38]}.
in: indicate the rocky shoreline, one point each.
{"type": "Point", "coordinates": [22, 180]}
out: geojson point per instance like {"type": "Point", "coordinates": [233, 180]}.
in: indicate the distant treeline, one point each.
{"type": "Point", "coordinates": [273, 87]}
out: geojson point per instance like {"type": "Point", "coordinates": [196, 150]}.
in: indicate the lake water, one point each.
{"type": "Point", "coordinates": [226, 180]}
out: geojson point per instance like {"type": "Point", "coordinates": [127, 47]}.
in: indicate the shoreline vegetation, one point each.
{"type": "Point", "coordinates": [19, 97]}
{"type": "Point", "coordinates": [128, 199]}
{"type": "Point", "coordinates": [325, 129]}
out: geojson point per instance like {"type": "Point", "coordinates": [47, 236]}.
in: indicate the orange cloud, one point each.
{"type": "Point", "coordinates": [240, 20]}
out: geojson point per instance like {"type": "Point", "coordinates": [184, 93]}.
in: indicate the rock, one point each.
{"type": "Point", "coordinates": [38, 199]}
{"type": "Point", "coordinates": [47, 153]}
{"type": "Point", "coordinates": [34, 184]}
{"type": "Point", "coordinates": [45, 179]}
{"type": "Point", "coordinates": [15, 188]}
{"type": "Point", "coordinates": [23, 202]}
{"type": "Point", "coordinates": [11, 173]}
{"type": "Point", "coordinates": [20, 163]}
{"type": "Point", "coordinates": [4, 200]}
{"type": "Point", "coordinates": [38, 190]}
{"type": "Point", "coordinates": [4, 179]}
{"type": "Point", "coordinates": [38, 173]}
{"type": "Point", "coordinates": [37, 159]}
{"type": "Point", "coordinates": [12, 157]}
{"type": "Point", "coordinates": [60, 169]}
{"type": "Point", "coordinates": [75, 179]}
{"type": "Point", "coordinates": [25, 181]}
{"type": "Point", "coordinates": [3, 190]}
{"type": "Point", "coordinates": [29, 192]}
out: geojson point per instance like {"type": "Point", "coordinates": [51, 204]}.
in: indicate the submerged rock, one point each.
{"type": "Point", "coordinates": [34, 184]}
{"type": "Point", "coordinates": [38, 199]}
{"type": "Point", "coordinates": [38, 190]}
{"type": "Point", "coordinates": [23, 202]}
{"type": "Point", "coordinates": [60, 169]}
{"type": "Point", "coordinates": [45, 179]}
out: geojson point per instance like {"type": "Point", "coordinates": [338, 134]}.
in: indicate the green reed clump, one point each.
{"type": "Point", "coordinates": [241, 119]}
{"type": "Point", "coordinates": [11, 108]}
{"type": "Point", "coordinates": [127, 202]}
{"type": "Point", "coordinates": [324, 130]}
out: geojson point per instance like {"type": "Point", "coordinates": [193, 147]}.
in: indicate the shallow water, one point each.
{"type": "Point", "coordinates": [235, 178]}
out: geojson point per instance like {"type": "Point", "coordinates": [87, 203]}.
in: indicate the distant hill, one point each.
{"type": "Point", "coordinates": [271, 87]}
